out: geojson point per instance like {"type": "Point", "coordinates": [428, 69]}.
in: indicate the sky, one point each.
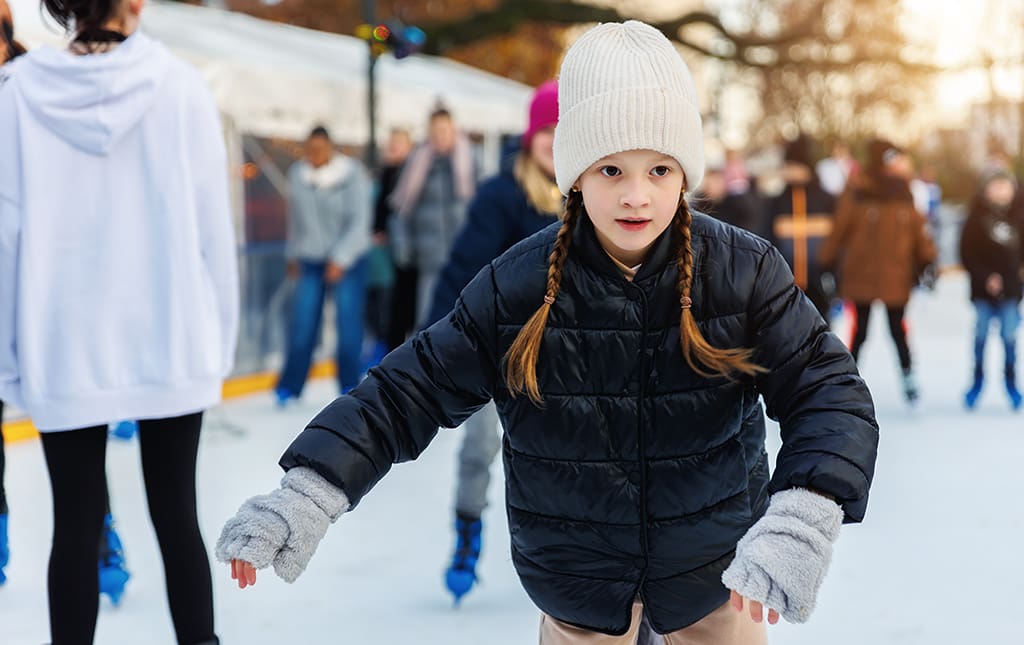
{"type": "Point", "coordinates": [957, 33]}
{"type": "Point", "coordinates": [961, 32]}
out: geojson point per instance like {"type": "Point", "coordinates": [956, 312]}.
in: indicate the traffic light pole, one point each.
{"type": "Point", "coordinates": [370, 16]}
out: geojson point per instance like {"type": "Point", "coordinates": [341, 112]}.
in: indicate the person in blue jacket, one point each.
{"type": "Point", "coordinates": [626, 349]}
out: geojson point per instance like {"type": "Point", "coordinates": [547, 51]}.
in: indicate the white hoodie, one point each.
{"type": "Point", "coordinates": [118, 268]}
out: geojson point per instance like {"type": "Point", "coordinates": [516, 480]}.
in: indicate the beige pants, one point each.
{"type": "Point", "coordinates": [724, 626]}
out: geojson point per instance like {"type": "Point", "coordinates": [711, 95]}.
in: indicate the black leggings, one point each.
{"type": "Point", "coordinates": [75, 460]}
{"type": "Point", "coordinates": [896, 329]}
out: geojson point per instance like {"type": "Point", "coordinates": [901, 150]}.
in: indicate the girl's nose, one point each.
{"type": "Point", "coordinates": [635, 195]}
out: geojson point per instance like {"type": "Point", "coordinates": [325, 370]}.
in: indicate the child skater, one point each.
{"type": "Point", "coordinates": [625, 350]}
{"type": "Point", "coordinates": [991, 251]}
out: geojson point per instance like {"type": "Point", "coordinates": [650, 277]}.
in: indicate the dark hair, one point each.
{"type": "Point", "coordinates": [14, 48]}
{"type": "Point", "coordinates": [321, 132]}
{"type": "Point", "coordinates": [440, 113]}
{"type": "Point", "coordinates": [84, 15]}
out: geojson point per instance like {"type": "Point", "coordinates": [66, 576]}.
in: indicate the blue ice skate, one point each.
{"type": "Point", "coordinates": [283, 396]}
{"type": "Point", "coordinates": [1012, 391]}
{"type": "Point", "coordinates": [461, 575]}
{"type": "Point", "coordinates": [113, 574]}
{"type": "Point", "coordinates": [5, 553]}
{"type": "Point", "coordinates": [125, 430]}
{"type": "Point", "coordinates": [973, 394]}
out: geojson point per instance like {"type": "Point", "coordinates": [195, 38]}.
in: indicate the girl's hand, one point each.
{"type": "Point", "coordinates": [782, 560]}
{"type": "Point", "coordinates": [282, 528]}
{"type": "Point", "coordinates": [245, 573]}
{"type": "Point", "coordinates": [756, 609]}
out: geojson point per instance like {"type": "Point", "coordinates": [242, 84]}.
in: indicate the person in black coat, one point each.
{"type": "Point", "coordinates": [991, 251]}
{"type": "Point", "coordinates": [625, 349]}
{"type": "Point", "coordinates": [800, 220]}
{"type": "Point", "coordinates": [398, 317]}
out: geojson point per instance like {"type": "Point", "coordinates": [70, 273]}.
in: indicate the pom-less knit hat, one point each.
{"type": "Point", "coordinates": [623, 86]}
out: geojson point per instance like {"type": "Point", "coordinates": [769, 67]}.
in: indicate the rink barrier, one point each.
{"type": "Point", "coordinates": [23, 430]}
{"type": "Point", "coordinates": [235, 387]}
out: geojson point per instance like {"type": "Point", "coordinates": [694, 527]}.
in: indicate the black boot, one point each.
{"type": "Point", "coordinates": [910, 386]}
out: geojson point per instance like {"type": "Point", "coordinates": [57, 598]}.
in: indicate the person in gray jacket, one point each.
{"type": "Point", "coordinates": [437, 182]}
{"type": "Point", "coordinates": [328, 234]}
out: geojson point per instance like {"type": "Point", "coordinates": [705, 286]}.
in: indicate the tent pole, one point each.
{"type": "Point", "coordinates": [370, 16]}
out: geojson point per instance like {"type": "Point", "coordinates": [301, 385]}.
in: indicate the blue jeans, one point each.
{"type": "Point", "coordinates": [304, 327]}
{"type": "Point", "coordinates": [1007, 312]}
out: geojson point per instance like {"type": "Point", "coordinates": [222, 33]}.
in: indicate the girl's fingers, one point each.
{"type": "Point", "coordinates": [736, 600]}
{"type": "Point", "coordinates": [756, 608]}
{"type": "Point", "coordinates": [239, 573]}
{"type": "Point", "coordinates": [756, 611]}
{"type": "Point", "coordinates": [250, 573]}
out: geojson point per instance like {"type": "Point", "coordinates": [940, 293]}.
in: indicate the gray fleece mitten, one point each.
{"type": "Point", "coordinates": [284, 527]}
{"type": "Point", "coordinates": [782, 560]}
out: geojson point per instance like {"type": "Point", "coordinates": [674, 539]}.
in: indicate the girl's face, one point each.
{"type": "Point", "coordinates": [631, 198]}
{"type": "Point", "coordinates": [542, 147]}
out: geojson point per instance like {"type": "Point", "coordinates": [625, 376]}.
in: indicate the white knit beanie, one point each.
{"type": "Point", "coordinates": [623, 86]}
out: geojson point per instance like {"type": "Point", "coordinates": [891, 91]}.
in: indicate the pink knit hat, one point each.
{"type": "Point", "coordinates": [543, 111]}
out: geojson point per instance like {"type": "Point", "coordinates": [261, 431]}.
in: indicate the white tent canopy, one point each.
{"type": "Point", "coordinates": [272, 79]}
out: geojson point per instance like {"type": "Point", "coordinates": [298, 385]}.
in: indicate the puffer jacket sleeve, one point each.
{"type": "Point", "coordinates": [440, 377]}
{"type": "Point", "coordinates": [812, 388]}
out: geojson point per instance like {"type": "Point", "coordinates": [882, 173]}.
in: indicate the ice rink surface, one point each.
{"type": "Point", "coordinates": [937, 561]}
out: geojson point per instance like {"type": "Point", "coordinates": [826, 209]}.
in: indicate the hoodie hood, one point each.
{"type": "Point", "coordinates": [92, 101]}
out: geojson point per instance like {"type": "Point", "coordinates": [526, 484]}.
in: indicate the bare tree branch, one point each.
{"type": "Point", "coordinates": [510, 14]}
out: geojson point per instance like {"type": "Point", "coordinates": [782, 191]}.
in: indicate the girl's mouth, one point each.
{"type": "Point", "coordinates": [633, 225]}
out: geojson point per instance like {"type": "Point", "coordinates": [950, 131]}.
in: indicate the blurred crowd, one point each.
{"type": "Point", "coordinates": [857, 225]}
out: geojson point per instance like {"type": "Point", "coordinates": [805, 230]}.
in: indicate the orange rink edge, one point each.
{"type": "Point", "coordinates": [238, 386]}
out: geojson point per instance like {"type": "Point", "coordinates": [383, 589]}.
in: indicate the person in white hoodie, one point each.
{"type": "Point", "coordinates": [118, 288]}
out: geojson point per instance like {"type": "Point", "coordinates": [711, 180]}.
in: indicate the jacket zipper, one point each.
{"type": "Point", "coordinates": [640, 433]}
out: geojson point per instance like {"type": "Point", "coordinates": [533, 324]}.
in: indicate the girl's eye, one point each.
{"type": "Point", "coordinates": [610, 171]}
{"type": "Point", "coordinates": [661, 171]}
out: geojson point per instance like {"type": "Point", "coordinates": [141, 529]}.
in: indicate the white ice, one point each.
{"type": "Point", "coordinates": [937, 560]}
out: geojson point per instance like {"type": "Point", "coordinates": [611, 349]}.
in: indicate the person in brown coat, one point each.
{"type": "Point", "coordinates": [879, 247]}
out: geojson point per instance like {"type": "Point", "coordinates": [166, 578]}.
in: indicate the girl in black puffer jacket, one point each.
{"type": "Point", "coordinates": [625, 350]}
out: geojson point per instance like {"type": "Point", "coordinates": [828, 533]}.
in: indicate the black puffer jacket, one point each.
{"type": "Point", "coordinates": [637, 475]}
